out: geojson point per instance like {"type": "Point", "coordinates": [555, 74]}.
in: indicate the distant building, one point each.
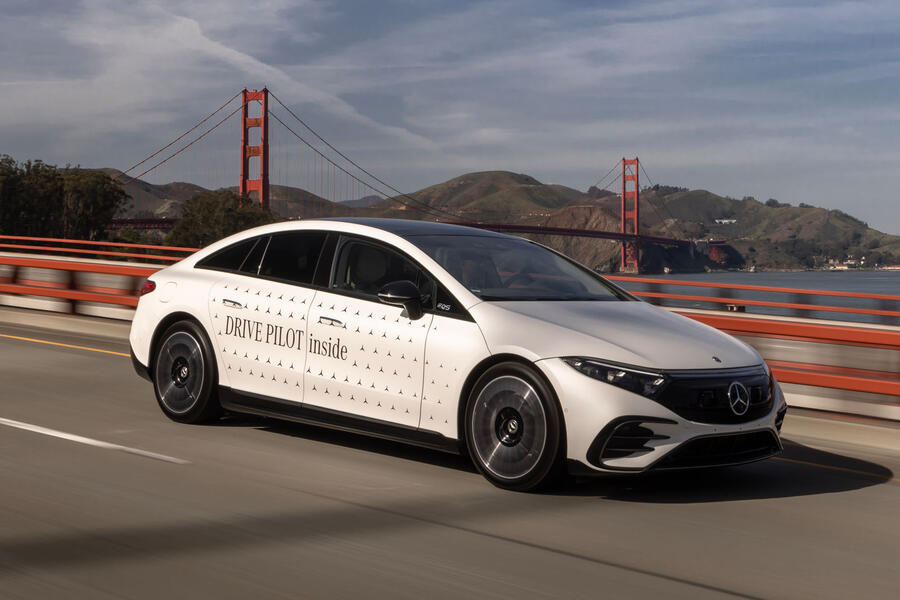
{"type": "Point", "coordinates": [726, 221]}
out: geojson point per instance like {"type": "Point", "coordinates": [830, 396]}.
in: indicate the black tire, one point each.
{"type": "Point", "coordinates": [184, 374]}
{"type": "Point", "coordinates": [514, 433]}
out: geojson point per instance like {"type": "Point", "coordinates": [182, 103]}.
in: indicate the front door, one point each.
{"type": "Point", "coordinates": [365, 357]}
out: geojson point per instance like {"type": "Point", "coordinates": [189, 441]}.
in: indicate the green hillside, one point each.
{"type": "Point", "coordinates": [291, 202]}
{"type": "Point", "coordinates": [151, 200]}
{"type": "Point", "coordinates": [770, 234]}
{"type": "Point", "coordinates": [497, 194]}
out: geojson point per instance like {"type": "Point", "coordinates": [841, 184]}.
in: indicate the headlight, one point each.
{"type": "Point", "coordinates": [645, 383]}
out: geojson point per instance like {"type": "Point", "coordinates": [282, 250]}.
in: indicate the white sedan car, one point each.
{"type": "Point", "coordinates": [451, 338]}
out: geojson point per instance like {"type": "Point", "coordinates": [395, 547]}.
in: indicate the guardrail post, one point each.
{"type": "Point", "coordinates": [802, 299]}
{"type": "Point", "coordinates": [654, 287]}
{"type": "Point", "coordinates": [889, 305]}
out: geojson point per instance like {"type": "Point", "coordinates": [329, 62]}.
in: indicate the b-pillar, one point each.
{"type": "Point", "coordinates": [261, 185]}
{"type": "Point", "coordinates": [631, 251]}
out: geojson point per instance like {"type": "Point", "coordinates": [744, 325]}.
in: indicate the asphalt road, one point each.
{"type": "Point", "coordinates": [253, 508]}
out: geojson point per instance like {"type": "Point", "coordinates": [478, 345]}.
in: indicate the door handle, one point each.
{"type": "Point", "coordinates": [330, 321]}
{"type": "Point", "coordinates": [231, 303]}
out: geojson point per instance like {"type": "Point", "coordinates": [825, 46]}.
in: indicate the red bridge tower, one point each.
{"type": "Point", "coordinates": [261, 185]}
{"type": "Point", "coordinates": [631, 251]}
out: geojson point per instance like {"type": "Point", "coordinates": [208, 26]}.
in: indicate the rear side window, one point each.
{"type": "Point", "coordinates": [230, 258]}
{"type": "Point", "coordinates": [292, 256]}
{"type": "Point", "coordinates": [250, 266]}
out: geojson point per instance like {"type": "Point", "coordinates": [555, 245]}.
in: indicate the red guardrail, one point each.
{"type": "Point", "coordinates": [66, 288]}
{"type": "Point", "coordinates": [740, 304]}
{"type": "Point", "coordinates": [67, 246]}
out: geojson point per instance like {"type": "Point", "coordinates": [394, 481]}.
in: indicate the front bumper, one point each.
{"type": "Point", "coordinates": [611, 430]}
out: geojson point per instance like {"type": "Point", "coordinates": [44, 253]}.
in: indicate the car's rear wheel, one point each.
{"type": "Point", "coordinates": [184, 375]}
{"type": "Point", "coordinates": [513, 428]}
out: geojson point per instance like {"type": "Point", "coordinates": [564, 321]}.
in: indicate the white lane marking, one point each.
{"type": "Point", "coordinates": [91, 442]}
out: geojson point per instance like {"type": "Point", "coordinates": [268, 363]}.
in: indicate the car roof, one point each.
{"type": "Point", "coordinates": [406, 228]}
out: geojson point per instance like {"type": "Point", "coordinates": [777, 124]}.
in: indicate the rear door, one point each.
{"type": "Point", "coordinates": [260, 312]}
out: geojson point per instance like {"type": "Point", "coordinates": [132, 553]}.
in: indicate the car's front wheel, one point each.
{"type": "Point", "coordinates": [184, 375]}
{"type": "Point", "coordinates": [513, 428]}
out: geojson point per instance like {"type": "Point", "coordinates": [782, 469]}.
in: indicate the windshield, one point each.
{"type": "Point", "coordinates": [508, 268]}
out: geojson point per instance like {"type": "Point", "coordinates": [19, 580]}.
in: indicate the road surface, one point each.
{"type": "Point", "coordinates": [102, 497]}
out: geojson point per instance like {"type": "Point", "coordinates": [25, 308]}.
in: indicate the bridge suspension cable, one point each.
{"type": "Point", "coordinates": [422, 206]}
{"type": "Point", "coordinates": [185, 147]}
{"type": "Point", "coordinates": [435, 211]}
{"type": "Point", "coordinates": [664, 207]}
{"type": "Point", "coordinates": [608, 173]}
{"type": "Point", "coordinates": [175, 141]}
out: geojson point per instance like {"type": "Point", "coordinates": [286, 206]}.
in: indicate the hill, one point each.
{"type": "Point", "coordinates": [291, 202]}
{"type": "Point", "coordinates": [492, 195]}
{"type": "Point", "coordinates": [774, 234]}
{"type": "Point", "coordinates": [364, 202]}
{"type": "Point", "coordinates": [154, 201]}
{"type": "Point", "coordinates": [768, 235]}
{"type": "Point", "coordinates": [150, 200]}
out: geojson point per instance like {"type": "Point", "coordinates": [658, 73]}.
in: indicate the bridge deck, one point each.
{"type": "Point", "coordinates": [264, 509]}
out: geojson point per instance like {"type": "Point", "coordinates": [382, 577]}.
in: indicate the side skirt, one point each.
{"type": "Point", "coordinates": [244, 402]}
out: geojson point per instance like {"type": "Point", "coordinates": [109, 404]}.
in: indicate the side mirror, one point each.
{"type": "Point", "coordinates": [403, 293]}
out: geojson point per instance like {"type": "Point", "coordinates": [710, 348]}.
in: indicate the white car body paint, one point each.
{"type": "Point", "coordinates": [260, 331]}
{"type": "Point", "coordinates": [370, 360]}
{"type": "Point", "coordinates": [614, 331]}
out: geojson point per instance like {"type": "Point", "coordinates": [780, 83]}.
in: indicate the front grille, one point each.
{"type": "Point", "coordinates": [719, 450]}
{"type": "Point", "coordinates": [703, 397]}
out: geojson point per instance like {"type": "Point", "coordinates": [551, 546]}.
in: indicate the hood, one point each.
{"type": "Point", "coordinates": [634, 333]}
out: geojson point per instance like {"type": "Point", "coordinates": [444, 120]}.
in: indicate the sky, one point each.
{"type": "Point", "coordinates": [798, 101]}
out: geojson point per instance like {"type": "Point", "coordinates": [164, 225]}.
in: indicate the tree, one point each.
{"type": "Point", "coordinates": [90, 200]}
{"type": "Point", "coordinates": [10, 185]}
{"type": "Point", "coordinates": [210, 216]}
{"type": "Point", "coordinates": [37, 199]}
{"type": "Point", "coordinates": [30, 199]}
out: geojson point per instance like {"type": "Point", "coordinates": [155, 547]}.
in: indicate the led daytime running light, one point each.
{"type": "Point", "coordinates": [645, 383]}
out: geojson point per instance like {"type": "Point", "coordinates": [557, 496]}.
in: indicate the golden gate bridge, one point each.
{"type": "Point", "coordinates": [305, 160]}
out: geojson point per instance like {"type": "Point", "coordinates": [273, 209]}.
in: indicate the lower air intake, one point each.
{"type": "Point", "coordinates": [629, 439]}
{"type": "Point", "coordinates": [721, 450]}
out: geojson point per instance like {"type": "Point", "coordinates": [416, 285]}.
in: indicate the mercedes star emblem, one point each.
{"type": "Point", "coordinates": [738, 398]}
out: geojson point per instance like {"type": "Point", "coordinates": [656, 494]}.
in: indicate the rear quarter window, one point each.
{"type": "Point", "coordinates": [229, 258]}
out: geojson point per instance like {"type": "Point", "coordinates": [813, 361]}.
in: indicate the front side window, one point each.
{"type": "Point", "coordinates": [508, 268]}
{"type": "Point", "coordinates": [364, 268]}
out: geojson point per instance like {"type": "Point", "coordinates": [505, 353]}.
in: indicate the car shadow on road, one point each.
{"type": "Point", "coordinates": [799, 471]}
{"type": "Point", "coordinates": [351, 440]}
